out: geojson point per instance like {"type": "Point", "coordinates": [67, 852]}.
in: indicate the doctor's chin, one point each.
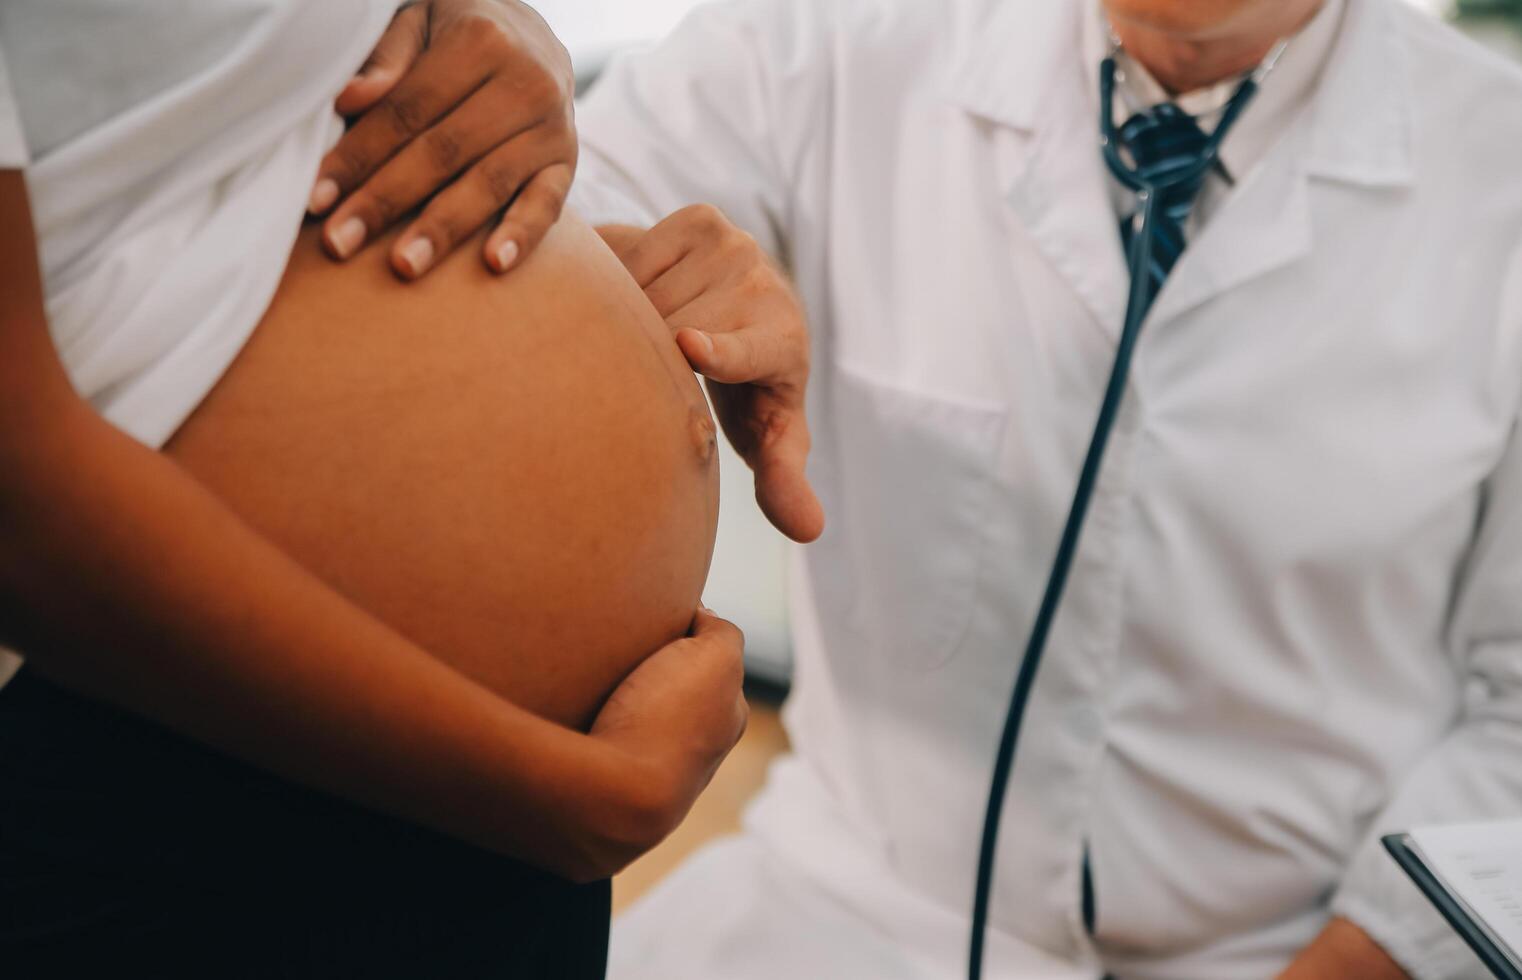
{"type": "Point", "coordinates": [761, 489]}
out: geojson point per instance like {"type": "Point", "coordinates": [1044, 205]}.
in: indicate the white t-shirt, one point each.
{"type": "Point", "coordinates": [169, 149]}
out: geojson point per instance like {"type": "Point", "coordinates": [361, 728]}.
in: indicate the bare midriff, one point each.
{"type": "Point", "coordinates": [516, 472]}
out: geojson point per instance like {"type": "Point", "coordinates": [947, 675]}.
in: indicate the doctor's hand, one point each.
{"type": "Point", "coordinates": [738, 322]}
{"type": "Point", "coordinates": [1343, 950]}
{"type": "Point", "coordinates": [465, 105]}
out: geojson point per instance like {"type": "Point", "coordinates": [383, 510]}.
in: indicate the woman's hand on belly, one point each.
{"type": "Point", "coordinates": [672, 721]}
{"type": "Point", "coordinates": [467, 102]}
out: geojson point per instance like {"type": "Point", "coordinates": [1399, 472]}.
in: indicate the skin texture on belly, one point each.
{"type": "Point", "coordinates": [516, 472]}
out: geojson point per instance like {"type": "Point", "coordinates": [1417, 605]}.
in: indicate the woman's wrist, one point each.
{"type": "Point", "coordinates": [602, 806]}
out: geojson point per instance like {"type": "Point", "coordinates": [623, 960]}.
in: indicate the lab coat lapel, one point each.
{"type": "Point", "coordinates": [1265, 224]}
{"type": "Point", "coordinates": [1018, 71]}
{"type": "Point", "coordinates": [1356, 131]}
{"type": "Point", "coordinates": [1063, 201]}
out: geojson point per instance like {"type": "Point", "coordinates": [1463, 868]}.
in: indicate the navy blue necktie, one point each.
{"type": "Point", "coordinates": [1163, 141]}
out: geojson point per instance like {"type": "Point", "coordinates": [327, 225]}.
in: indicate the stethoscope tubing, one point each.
{"type": "Point", "coordinates": [1051, 599]}
{"type": "Point", "coordinates": [1150, 194]}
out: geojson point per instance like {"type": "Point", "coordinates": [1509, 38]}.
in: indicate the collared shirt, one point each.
{"type": "Point", "coordinates": [1293, 621]}
{"type": "Point", "coordinates": [1284, 93]}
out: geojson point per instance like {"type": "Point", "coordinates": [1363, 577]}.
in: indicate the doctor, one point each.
{"type": "Point", "coordinates": [1295, 616]}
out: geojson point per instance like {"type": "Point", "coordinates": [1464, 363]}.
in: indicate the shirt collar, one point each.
{"type": "Point", "coordinates": [1285, 92]}
{"type": "Point", "coordinates": [1004, 55]}
{"type": "Point", "coordinates": [1361, 120]}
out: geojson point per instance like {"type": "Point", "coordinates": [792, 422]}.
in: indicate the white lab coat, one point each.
{"type": "Point", "coordinates": [1296, 618]}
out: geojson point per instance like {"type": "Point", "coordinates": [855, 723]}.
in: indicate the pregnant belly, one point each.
{"type": "Point", "coordinates": [517, 473]}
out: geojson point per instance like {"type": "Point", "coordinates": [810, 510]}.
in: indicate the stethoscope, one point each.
{"type": "Point", "coordinates": [1149, 195]}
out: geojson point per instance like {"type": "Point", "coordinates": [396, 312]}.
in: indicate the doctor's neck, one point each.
{"type": "Point", "coordinates": [1192, 44]}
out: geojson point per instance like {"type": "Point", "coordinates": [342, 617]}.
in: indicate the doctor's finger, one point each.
{"type": "Point", "coordinates": [765, 352]}
{"type": "Point", "coordinates": [672, 239]}
{"type": "Point", "coordinates": [780, 460]}
{"type": "Point", "coordinates": [681, 284]}
{"type": "Point", "coordinates": [392, 56]}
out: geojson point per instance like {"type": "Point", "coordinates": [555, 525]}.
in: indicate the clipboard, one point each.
{"type": "Point", "coordinates": [1471, 929]}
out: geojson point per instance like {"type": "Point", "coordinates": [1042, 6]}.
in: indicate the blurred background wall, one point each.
{"type": "Point", "coordinates": [1497, 23]}
{"type": "Point", "coordinates": [748, 580]}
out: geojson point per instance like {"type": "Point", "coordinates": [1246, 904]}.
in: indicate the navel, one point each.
{"type": "Point", "coordinates": [702, 431]}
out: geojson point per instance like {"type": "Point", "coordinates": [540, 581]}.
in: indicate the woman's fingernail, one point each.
{"type": "Point", "coordinates": [347, 237]}
{"type": "Point", "coordinates": [507, 254]}
{"type": "Point", "coordinates": [324, 194]}
{"type": "Point", "coordinates": [418, 255]}
{"type": "Point", "coordinates": [707, 341]}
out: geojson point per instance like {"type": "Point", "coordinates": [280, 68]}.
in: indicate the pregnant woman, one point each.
{"type": "Point", "coordinates": [358, 614]}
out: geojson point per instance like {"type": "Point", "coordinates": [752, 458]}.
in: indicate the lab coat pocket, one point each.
{"type": "Point", "coordinates": [915, 488]}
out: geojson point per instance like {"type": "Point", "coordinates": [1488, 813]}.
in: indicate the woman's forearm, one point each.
{"type": "Point", "coordinates": [125, 579]}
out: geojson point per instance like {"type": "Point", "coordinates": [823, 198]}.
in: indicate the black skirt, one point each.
{"type": "Point", "coordinates": [126, 851]}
